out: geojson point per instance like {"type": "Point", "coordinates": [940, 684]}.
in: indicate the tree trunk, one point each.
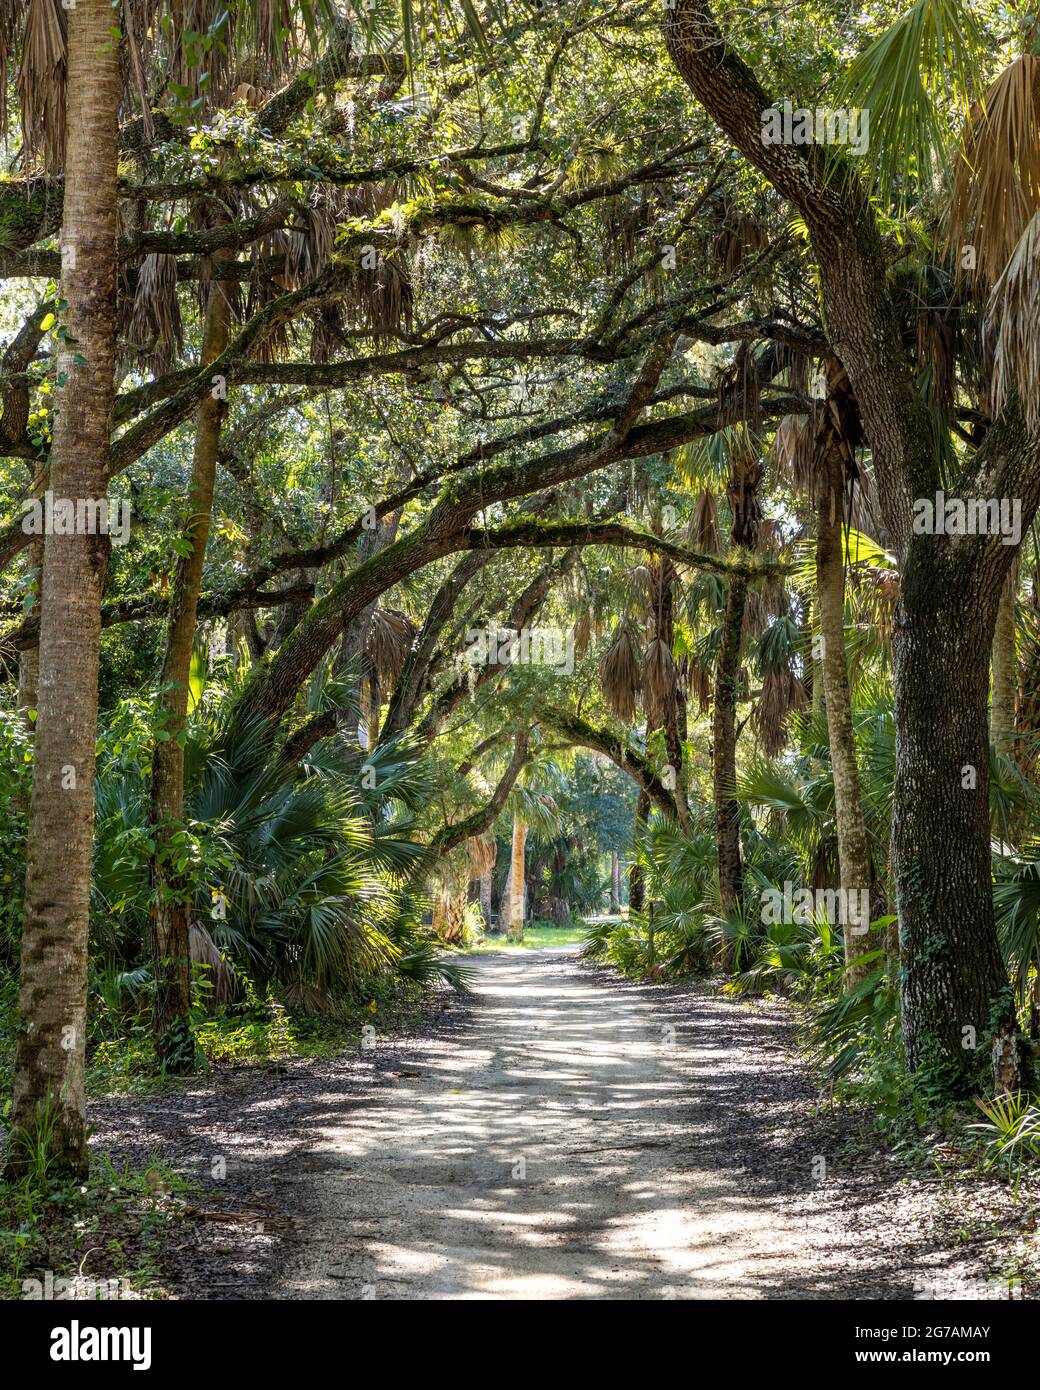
{"type": "Point", "coordinates": [615, 881]}
{"type": "Point", "coordinates": [449, 916]}
{"type": "Point", "coordinates": [486, 879]}
{"type": "Point", "coordinates": [955, 986]}
{"type": "Point", "coordinates": [171, 905]}
{"type": "Point", "coordinates": [636, 874]}
{"type": "Point", "coordinates": [853, 844]}
{"type": "Point", "coordinates": [517, 883]}
{"type": "Point", "coordinates": [352, 662]}
{"type": "Point", "coordinates": [724, 752]}
{"type": "Point", "coordinates": [664, 630]}
{"type": "Point", "coordinates": [1005, 670]}
{"type": "Point", "coordinates": [742, 491]}
{"type": "Point", "coordinates": [48, 1104]}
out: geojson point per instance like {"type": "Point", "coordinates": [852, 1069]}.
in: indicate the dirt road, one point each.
{"type": "Point", "coordinates": [577, 1141]}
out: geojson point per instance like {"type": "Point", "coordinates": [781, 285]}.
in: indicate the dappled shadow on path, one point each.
{"type": "Point", "coordinates": [580, 1139]}
{"type": "Point", "coordinates": [571, 1135]}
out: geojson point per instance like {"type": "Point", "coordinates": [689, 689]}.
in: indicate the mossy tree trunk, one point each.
{"type": "Point", "coordinates": [48, 1105]}
{"type": "Point", "coordinates": [172, 888]}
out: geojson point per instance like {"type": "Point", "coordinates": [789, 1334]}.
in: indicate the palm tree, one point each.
{"type": "Point", "coordinates": [532, 808]}
{"type": "Point", "coordinates": [817, 455]}
{"type": "Point", "coordinates": [730, 457]}
{"type": "Point", "coordinates": [170, 930]}
{"type": "Point", "coordinates": [49, 1066]}
{"type": "Point", "coordinates": [70, 88]}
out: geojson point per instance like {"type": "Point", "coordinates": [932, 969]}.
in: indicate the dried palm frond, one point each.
{"type": "Point", "coordinates": [756, 613]}
{"type": "Point", "coordinates": [154, 331]}
{"type": "Point", "coordinates": [11, 15]}
{"type": "Point", "coordinates": [41, 81]}
{"type": "Point", "coordinates": [390, 636]}
{"type": "Point", "coordinates": [267, 31]}
{"type": "Point", "coordinates": [996, 188]}
{"type": "Point", "coordinates": [659, 676]}
{"type": "Point", "coordinates": [326, 332]}
{"type": "Point", "coordinates": [703, 530]}
{"type": "Point", "coordinates": [937, 353]}
{"type": "Point", "coordinates": [643, 580]}
{"type": "Point", "coordinates": [699, 682]}
{"type": "Point", "coordinates": [796, 364]}
{"type": "Point", "coordinates": [865, 512]}
{"type": "Point", "coordinates": [793, 455]}
{"type": "Point", "coordinates": [739, 391]}
{"type": "Point", "coordinates": [769, 543]}
{"type": "Point", "coordinates": [203, 950]}
{"type": "Point", "coordinates": [1012, 315]}
{"type": "Point", "coordinates": [740, 235]}
{"type": "Point", "coordinates": [483, 851]}
{"type": "Point", "coordinates": [782, 695]}
{"type": "Point", "coordinates": [378, 296]}
{"type": "Point", "coordinates": [619, 675]}
{"type": "Point", "coordinates": [310, 242]}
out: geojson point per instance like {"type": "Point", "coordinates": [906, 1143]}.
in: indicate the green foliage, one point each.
{"type": "Point", "coordinates": [913, 77]}
{"type": "Point", "coordinates": [1010, 1135]}
{"type": "Point", "coordinates": [118, 1217]}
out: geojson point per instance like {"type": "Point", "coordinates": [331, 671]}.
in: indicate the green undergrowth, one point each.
{"type": "Point", "coordinates": [94, 1238]}
{"type": "Point", "coordinates": [259, 1032]}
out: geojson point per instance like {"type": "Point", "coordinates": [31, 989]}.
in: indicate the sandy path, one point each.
{"type": "Point", "coordinates": [550, 1152]}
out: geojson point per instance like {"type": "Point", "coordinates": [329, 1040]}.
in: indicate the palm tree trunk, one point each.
{"type": "Point", "coordinates": [853, 845]}
{"type": "Point", "coordinates": [636, 874]}
{"type": "Point", "coordinates": [615, 881]}
{"type": "Point", "coordinates": [486, 879]}
{"type": "Point", "coordinates": [517, 883]}
{"type": "Point", "coordinates": [171, 906]}
{"type": "Point", "coordinates": [1005, 669]}
{"type": "Point", "coordinates": [664, 619]}
{"type": "Point", "coordinates": [724, 752]}
{"type": "Point", "coordinates": [49, 1100]}
{"type": "Point", "coordinates": [742, 492]}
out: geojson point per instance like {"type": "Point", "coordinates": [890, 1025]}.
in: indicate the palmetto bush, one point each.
{"type": "Point", "coordinates": [299, 870]}
{"type": "Point", "coordinates": [308, 897]}
{"type": "Point", "coordinates": [1017, 897]}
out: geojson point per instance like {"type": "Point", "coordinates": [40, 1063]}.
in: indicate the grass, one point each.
{"type": "Point", "coordinates": [536, 938]}
{"type": "Point", "coordinates": [95, 1238]}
